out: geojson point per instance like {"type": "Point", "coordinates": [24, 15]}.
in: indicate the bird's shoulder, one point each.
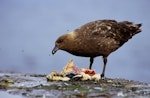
{"type": "Point", "coordinates": [99, 28]}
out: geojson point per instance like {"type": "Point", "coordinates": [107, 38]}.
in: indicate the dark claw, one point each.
{"type": "Point", "coordinates": [102, 75]}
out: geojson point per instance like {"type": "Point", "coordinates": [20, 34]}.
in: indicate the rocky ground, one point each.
{"type": "Point", "coordinates": [36, 86]}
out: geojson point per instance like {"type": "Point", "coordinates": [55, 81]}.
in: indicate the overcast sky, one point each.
{"type": "Point", "coordinates": [29, 28]}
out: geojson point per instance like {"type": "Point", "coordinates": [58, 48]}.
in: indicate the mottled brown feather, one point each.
{"type": "Point", "coordinates": [98, 38]}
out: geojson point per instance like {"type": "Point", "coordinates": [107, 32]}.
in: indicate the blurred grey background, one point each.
{"type": "Point", "coordinates": [29, 28]}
